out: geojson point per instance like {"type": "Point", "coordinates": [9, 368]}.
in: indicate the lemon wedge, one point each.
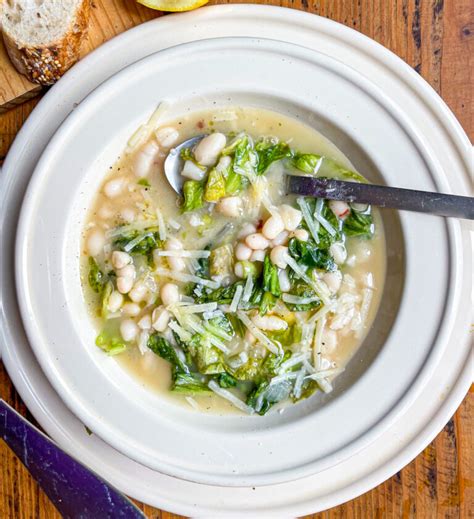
{"type": "Point", "coordinates": [175, 6]}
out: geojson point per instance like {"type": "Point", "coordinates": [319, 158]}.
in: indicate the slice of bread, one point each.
{"type": "Point", "coordinates": [43, 37]}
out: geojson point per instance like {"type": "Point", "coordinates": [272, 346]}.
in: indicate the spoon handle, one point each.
{"type": "Point", "coordinates": [73, 489]}
{"type": "Point", "coordinates": [382, 196]}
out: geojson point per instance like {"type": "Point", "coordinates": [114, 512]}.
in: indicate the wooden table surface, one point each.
{"type": "Point", "coordinates": [435, 37]}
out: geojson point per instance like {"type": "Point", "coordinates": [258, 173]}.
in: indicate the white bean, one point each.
{"type": "Point", "coordinates": [95, 242]}
{"type": "Point", "coordinates": [248, 228]}
{"type": "Point", "coordinates": [258, 255]}
{"type": "Point", "coordinates": [278, 256]}
{"type": "Point", "coordinates": [144, 159]}
{"type": "Point", "coordinates": [338, 252]}
{"type": "Point", "coordinates": [291, 217]}
{"type": "Point", "coordinates": [169, 294]}
{"type": "Point", "coordinates": [138, 292]}
{"type": "Point", "coordinates": [273, 227]}
{"type": "Point", "coordinates": [167, 136]}
{"type": "Point", "coordinates": [190, 170]}
{"type": "Point", "coordinates": [127, 272]}
{"type": "Point", "coordinates": [333, 280]}
{"type": "Point", "coordinates": [281, 239]}
{"type": "Point", "coordinates": [160, 319]}
{"type": "Point", "coordinates": [124, 284]}
{"type": "Point", "coordinates": [239, 270]}
{"type": "Point", "coordinates": [105, 212]}
{"type": "Point", "coordinates": [339, 208]}
{"type": "Point", "coordinates": [129, 330]}
{"type": "Point", "coordinates": [242, 252]}
{"type": "Point", "coordinates": [301, 234]}
{"type": "Point", "coordinates": [127, 215]}
{"type": "Point", "coordinates": [145, 322]}
{"type": "Point", "coordinates": [257, 241]}
{"type": "Point", "coordinates": [113, 188]}
{"type": "Point", "coordinates": [269, 322]}
{"type": "Point", "coordinates": [173, 244]}
{"type": "Point", "coordinates": [223, 164]}
{"type": "Point", "coordinates": [120, 259]}
{"type": "Point", "coordinates": [209, 148]}
{"type": "Point", "coordinates": [115, 301]}
{"type": "Point", "coordinates": [230, 206]}
{"type": "Point", "coordinates": [131, 309]}
{"type": "Point", "coordinates": [284, 280]}
{"type": "Point", "coordinates": [177, 264]}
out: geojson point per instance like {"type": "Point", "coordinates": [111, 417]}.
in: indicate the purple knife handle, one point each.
{"type": "Point", "coordinates": [74, 490]}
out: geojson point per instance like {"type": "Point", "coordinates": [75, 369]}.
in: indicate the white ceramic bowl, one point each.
{"type": "Point", "coordinates": [238, 450]}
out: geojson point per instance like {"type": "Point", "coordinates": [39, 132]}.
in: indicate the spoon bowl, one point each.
{"type": "Point", "coordinates": [174, 163]}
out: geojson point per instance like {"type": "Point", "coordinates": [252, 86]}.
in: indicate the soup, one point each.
{"type": "Point", "coordinates": [235, 295]}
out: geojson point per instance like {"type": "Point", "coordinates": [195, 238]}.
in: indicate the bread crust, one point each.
{"type": "Point", "coordinates": [46, 64]}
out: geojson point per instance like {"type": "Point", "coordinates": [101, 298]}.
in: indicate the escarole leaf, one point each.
{"type": "Point", "coordinates": [110, 343]}
{"type": "Point", "coordinates": [183, 380]}
{"type": "Point", "coordinates": [359, 224]}
{"type": "Point", "coordinates": [313, 164]}
{"type": "Point", "coordinates": [97, 279]}
{"type": "Point", "coordinates": [269, 151]}
{"type": "Point", "coordinates": [310, 255]}
{"type": "Point", "coordinates": [193, 192]}
{"type": "Point", "coordinates": [160, 346]}
{"type": "Point", "coordinates": [307, 162]}
{"type": "Point", "coordinates": [267, 394]}
{"type": "Point", "coordinates": [138, 242]}
{"type": "Point", "coordinates": [270, 281]}
{"type": "Point", "coordinates": [215, 186]}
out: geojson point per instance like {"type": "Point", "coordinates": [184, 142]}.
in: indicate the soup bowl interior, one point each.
{"type": "Point", "coordinates": [378, 382]}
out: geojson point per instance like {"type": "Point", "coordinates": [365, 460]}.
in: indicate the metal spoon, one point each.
{"type": "Point", "coordinates": [382, 196]}
{"type": "Point", "coordinates": [174, 163]}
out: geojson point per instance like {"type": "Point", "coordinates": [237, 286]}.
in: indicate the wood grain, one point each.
{"type": "Point", "coordinates": [435, 37]}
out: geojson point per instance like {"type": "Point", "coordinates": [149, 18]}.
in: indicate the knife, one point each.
{"type": "Point", "coordinates": [72, 488]}
{"type": "Point", "coordinates": [383, 196]}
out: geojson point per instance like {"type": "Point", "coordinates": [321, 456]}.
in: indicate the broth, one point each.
{"type": "Point", "coordinates": [363, 271]}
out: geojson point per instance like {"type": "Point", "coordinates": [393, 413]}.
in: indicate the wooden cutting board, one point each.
{"type": "Point", "coordinates": [108, 18]}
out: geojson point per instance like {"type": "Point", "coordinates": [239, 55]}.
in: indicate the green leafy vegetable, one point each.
{"type": "Point", "coordinates": [288, 337]}
{"type": "Point", "coordinates": [301, 289]}
{"type": "Point", "coordinates": [188, 384]}
{"type": "Point", "coordinates": [309, 254]}
{"type": "Point", "coordinates": [307, 162]}
{"type": "Point", "coordinates": [270, 282]}
{"type": "Point", "coordinates": [97, 279]}
{"type": "Point", "coordinates": [183, 380]}
{"type": "Point", "coordinates": [268, 152]}
{"type": "Point", "coordinates": [359, 224]}
{"type": "Point", "coordinates": [311, 164]}
{"type": "Point", "coordinates": [111, 344]}
{"type": "Point", "coordinates": [225, 380]}
{"type": "Point", "coordinates": [160, 346]}
{"type": "Point", "coordinates": [144, 182]}
{"type": "Point", "coordinates": [145, 241]}
{"type": "Point", "coordinates": [222, 295]}
{"type": "Point", "coordinates": [221, 261]}
{"type": "Point", "coordinates": [107, 289]}
{"type": "Point", "coordinates": [265, 395]}
{"type": "Point", "coordinates": [215, 186]}
{"type": "Point", "coordinates": [193, 192]}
